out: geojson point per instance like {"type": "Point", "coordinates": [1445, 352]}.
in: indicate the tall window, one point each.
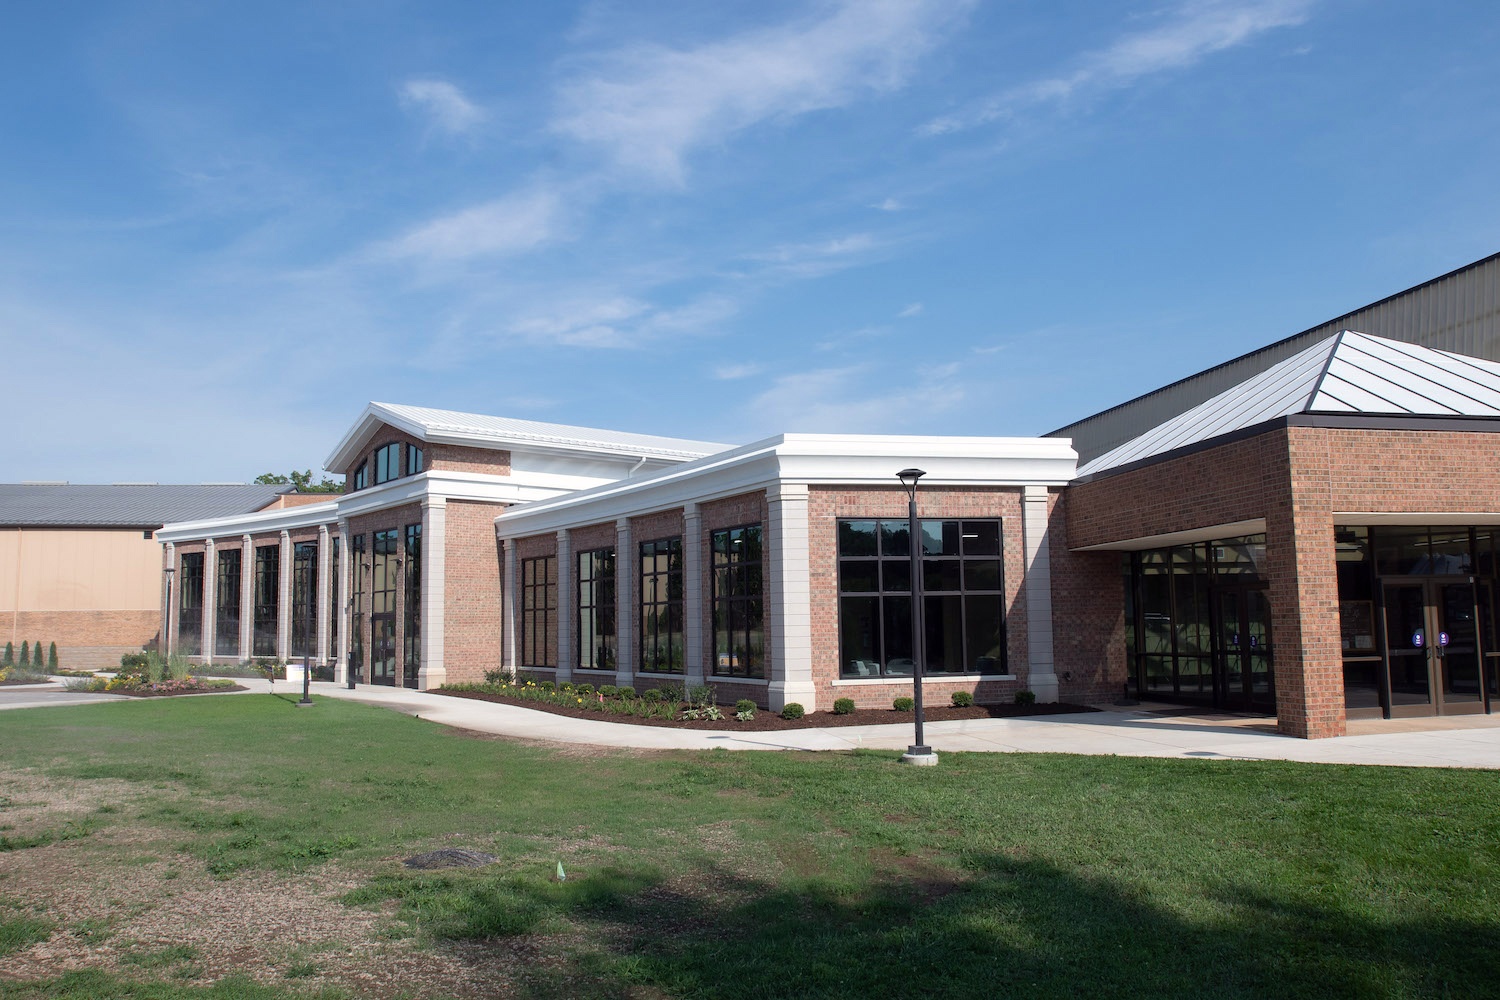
{"type": "Point", "coordinates": [383, 607]}
{"type": "Point", "coordinates": [412, 642]}
{"type": "Point", "coordinates": [539, 611]}
{"type": "Point", "coordinates": [304, 608]}
{"type": "Point", "coordinates": [415, 460]}
{"type": "Point", "coordinates": [357, 569]}
{"type": "Point", "coordinates": [963, 606]}
{"type": "Point", "coordinates": [596, 609]}
{"type": "Point", "coordinates": [362, 476]}
{"type": "Point", "coordinates": [661, 606]}
{"type": "Point", "coordinates": [387, 463]}
{"type": "Point", "coordinates": [335, 619]}
{"type": "Point", "coordinates": [739, 638]}
{"type": "Point", "coordinates": [267, 599]}
{"type": "Point", "coordinates": [190, 605]}
{"type": "Point", "coordinates": [227, 605]}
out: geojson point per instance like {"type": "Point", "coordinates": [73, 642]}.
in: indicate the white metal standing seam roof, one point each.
{"type": "Point", "coordinates": [58, 505]}
{"type": "Point", "coordinates": [482, 430]}
{"type": "Point", "coordinates": [1347, 373]}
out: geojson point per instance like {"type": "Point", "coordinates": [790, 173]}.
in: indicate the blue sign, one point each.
{"type": "Point", "coordinates": [1418, 639]}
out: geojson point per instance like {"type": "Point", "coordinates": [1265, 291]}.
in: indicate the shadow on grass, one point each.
{"type": "Point", "coordinates": [1007, 927]}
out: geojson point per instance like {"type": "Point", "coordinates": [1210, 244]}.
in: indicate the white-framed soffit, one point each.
{"type": "Point", "coordinates": [808, 460]}
{"type": "Point", "coordinates": [477, 430]}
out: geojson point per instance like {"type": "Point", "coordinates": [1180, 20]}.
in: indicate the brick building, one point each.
{"type": "Point", "coordinates": [1316, 541]}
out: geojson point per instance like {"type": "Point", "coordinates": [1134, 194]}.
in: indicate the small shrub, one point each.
{"type": "Point", "coordinates": [792, 711]}
{"type": "Point", "coordinates": [744, 705]}
{"type": "Point", "coordinates": [584, 689]}
{"type": "Point", "coordinates": [500, 675]}
{"type": "Point", "coordinates": [651, 695]}
{"type": "Point", "coordinates": [962, 699]}
{"type": "Point", "coordinates": [609, 690]}
{"type": "Point", "coordinates": [25, 654]}
{"type": "Point", "coordinates": [904, 704]}
{"type": "Point", "coordinates": [566, 687]}
{"type": "Point", "coordinates": [625, 691]}
{"type": "Point", "coordinates": [700, 696]}
{"type": "Point", "coordinates": [85, 683]}
{"type": "Point", "coordinates": [843, 706]}
{"type": "Point", "coordinates": [1025, 697]}
{"type": "Point", "coordinates": [547, 686]}
{"type": "Point", "coordinates": [745, 714]}
{"type": "Point", "coordinates": [52, 656]}
{"type": "Point", "coordinates": [710, 713]}
{"type": "Point", "coordinates": [10, 655]}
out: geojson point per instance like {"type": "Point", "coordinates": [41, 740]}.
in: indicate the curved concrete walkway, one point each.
{"type": "Point", "coordinates": [1466, 741]}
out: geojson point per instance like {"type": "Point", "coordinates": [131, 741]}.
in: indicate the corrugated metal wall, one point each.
{"type": "Point", "coordinates": [1458, 312]}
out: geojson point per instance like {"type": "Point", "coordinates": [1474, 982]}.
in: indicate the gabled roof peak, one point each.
{"type": "Point", "coordinates": [1344, 374]}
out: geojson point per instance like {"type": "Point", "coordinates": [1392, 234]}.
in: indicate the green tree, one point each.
{"type": "Point", "coordinates": [302, 480]}
{"type": "Point", "coordinates": [52, 656]}
{"type": "Point", "coordinates": [25, 654]}
{"type": "Point", "coordinates": [10, 655]}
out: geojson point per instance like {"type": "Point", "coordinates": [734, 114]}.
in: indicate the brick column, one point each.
{"type": "Point", "coordinates": [346, 566]}
{"type": "Point", "coordinates": [508, 607]}
{"type": "Point", "coordinates": [567, 608]}
{"type": "Point", "coordinates": [284, 599]}
{"type": "Point", "coordinates": [625, 616]}
{"type": "Point", "coordinates": [432, 673]}
{"type": "Point", "coordinates": [210, 599]}
{"type": "Point", "coordinates": [169, 595]}
{"type": "Point", "coordinates": [789, 597]}
{"type": "Point", "coordinates": [325, 567]}
{"type": "Point", "coordinates": [1303, 569]}
{"type": "Point", "coordinates": [247, 598]}
{"type": "Point", "coordinates": [693, 667]}
{"type": "Point", "coordinates": [1036, 532]}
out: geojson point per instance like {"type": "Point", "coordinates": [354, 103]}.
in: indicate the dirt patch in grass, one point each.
{"type": "Point", "coordinates": [769, 721]}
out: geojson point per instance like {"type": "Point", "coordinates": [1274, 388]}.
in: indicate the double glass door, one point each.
{"type": "Point", "coordinates": [1242, 668]}
{"type": "Point", "coordinates": [1432, 646]}
{"type": "Point", "coordinates": [383, 649]}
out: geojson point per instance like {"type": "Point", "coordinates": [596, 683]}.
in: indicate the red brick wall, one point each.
{"type": "Point", "coordinates": [471, 602]}
{"type": "Point", "coordinates": [827, 504]}
{"type": "Point", "coordinates": [1088, 617]}
{"type": "Point", "coordinates": [86, 640]}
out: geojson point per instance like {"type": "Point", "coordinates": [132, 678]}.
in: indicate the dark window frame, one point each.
{"type": "Point", "coordinates": [361, 477]}
{"type": "Point", "coordinates": [190, 605]}
{"type": "Point", "coordinates": [411, 634]}
{"type": "Point", "coordinates": [388, 462]}
{"type": "Point", "coordinates": [661, 634]}
{"type": "Point", "coordinates": [737, 600]}
{"type": "Point", "coordinates": [594, 597]}
{"type": "Point", "coordinates": [228, 567]}
{"type": "Point", "coordinates": [266, 601]}
{"type": "Point", "coordinates": [538, 646]}
{"type": "Point", "coordinates": [304, 608]}
{"type": "Point", "coordinates": [416, 460]}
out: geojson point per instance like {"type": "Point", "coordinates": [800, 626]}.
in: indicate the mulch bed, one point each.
{"type": "Point", "coordinates": [767, 721]}
{"type": "Point", "coordinates": [174, 694]}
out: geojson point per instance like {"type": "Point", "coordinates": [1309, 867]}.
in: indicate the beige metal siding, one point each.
{"type": "Point", "coordinates": [62, 569]}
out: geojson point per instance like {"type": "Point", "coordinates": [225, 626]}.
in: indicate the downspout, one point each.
{"type": "Point", "coordinates": [636, 468]}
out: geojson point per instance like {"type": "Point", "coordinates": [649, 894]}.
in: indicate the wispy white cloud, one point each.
{"type": "Point", "coordinates": [618, 321]}
{"type": "Point", "coordinates": [517, 222]}
{"type": "Point", "coordinates": [915, 309]}
{"type": "Point", "coordinates": [818, 257]}
{"type": "Point", "coordinates": [728, 373]}
{"type": "Point", "coordinates": [443, 103]}
{"type": "Point", "coordinates": [648, 106]}
{"type": "Point", "coordinates": [1189, 33]}
{"type": "Point", "coordinates": [888, 205]}
{"type": "Point", "coordinates": [855, 399]}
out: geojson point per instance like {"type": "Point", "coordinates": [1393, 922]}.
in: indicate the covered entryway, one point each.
{"type": "Point", "coordinates": [1432, 646]}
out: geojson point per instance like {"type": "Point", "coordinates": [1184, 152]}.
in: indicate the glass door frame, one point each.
{"type": "Point", "coordinates": [1434, 655]}
{"type": "Point", "coordinates": [1243, 699]}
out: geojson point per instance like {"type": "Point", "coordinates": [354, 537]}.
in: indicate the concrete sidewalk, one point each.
{"type": "Point", "coordinates": [1470, 741]}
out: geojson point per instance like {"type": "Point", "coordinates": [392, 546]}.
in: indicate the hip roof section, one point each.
{"type": "Point", "coordinates": [135, 505]}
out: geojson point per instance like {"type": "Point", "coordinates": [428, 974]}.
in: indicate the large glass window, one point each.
{"type": "Point", "coordinates": [739, 637]}
{"type": "Point", "coordinates": [661, 646]}
{"type": "Point", "coordinates": [190, 605]}
{"type": "Point", "coordinates": [362, 476]}
{"type": "Point", "coordinates": [596, 609]}
{"type": "Point", "coordinates": [357, 568]}
{"type": "Point", "coordinates": [412, 634]}
{"type": "Point", "coordinates": [386, 565]}
{"type": "Point", "coordinates": [335, 618]}
{"type": "Point", "coordinates": [387, 463]}
{"type": "Point", "coordinates": [416, 461]}
{"type": "Point", "coordinates": [539, 611]}
{"type": "Point", "coordinates": [304, 608]}
{"type": "Point", "coordinates": [267, 599]}
{"type": "Point", "coordinates": [227, 604]}
{"type": "Point", "coordinates": [963, 581]}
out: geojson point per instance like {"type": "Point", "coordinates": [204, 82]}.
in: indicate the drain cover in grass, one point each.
{"type": "Point", "coordinates": [451, 858]}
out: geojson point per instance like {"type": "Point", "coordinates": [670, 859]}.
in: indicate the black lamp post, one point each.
{"type": "Point", "coordinates": [166, 637]}
{"type": "Point", "coordinates": [919, 752]}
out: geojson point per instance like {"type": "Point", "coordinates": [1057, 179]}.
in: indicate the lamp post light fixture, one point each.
{"type": "Point", "coordinates": [919, 752]}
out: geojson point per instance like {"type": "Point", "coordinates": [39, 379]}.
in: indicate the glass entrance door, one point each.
{"type": "Point", "coordinates": [383, 649]}
{"type": "Point", "coordinates": [1432, 647]}
{"type": "Point", "coordinates": [1242, 663]}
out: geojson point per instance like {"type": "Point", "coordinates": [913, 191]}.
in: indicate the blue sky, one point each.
{"type": "Point", "coordinates": [226, 227]}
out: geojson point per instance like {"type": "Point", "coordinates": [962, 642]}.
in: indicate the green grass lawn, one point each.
{"type": "Point", "coordinates": [751, 875]}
